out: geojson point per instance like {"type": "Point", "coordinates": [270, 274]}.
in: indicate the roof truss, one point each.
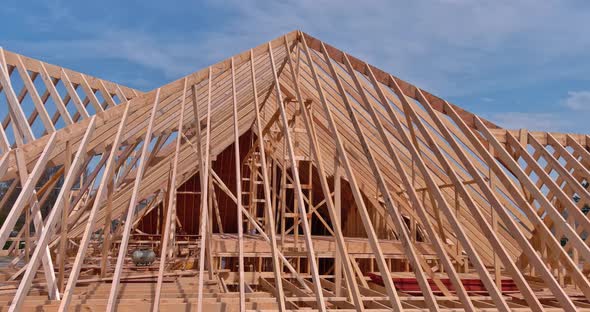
{"type": "Point", "coordinates": [338, 180]}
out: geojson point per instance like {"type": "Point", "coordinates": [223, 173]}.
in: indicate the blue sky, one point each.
{"type": "Point", "coordinates": [517, 63]}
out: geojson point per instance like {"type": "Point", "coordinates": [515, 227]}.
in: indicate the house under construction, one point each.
{"type": "Point", "coordinates": [291, 176]}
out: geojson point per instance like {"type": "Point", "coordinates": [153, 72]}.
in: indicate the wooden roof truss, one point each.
{"type": "Point", "coordinates": [436, 196]}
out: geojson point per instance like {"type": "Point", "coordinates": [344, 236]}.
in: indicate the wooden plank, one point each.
{"type": "Point", "coordinates": [63, 240]}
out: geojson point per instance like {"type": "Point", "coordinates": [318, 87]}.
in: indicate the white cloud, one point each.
{"type": "Point", "coordinates": [572, 116]}
{"type": "Point", "coordinates": [578, 100]}
{"type": "Point", "coordinates": [449, 47]}
{"type": "Point", "coordinates": [532, 121]}
{"type": "Point", "coordinates": [452, 48]}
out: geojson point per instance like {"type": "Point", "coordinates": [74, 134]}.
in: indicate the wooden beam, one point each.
{"type": "Point", "coordinates": [131, 209]}
{"type": "Point", "coordinates": [362, 209]}
{"type": "Point", "coordinates": [393, 210]}
{"type": "Point", "coordinates": [238, 178]}
{"type": "Point", "coordinates": [270, 228]}
{"type": "Point", "coordinates": [57, 100]}
{"type": "Point", "coordinates": [204, 172]}
{"type": "Point", "coordinates": [14, 108]}
{"type": "Point", "coordinates": [332, 209]}
{"type": "Point", "coordinates": [69, 180]}
{"type": "Point", "coordinates": [171, 204]}
{"type": "Point", "coordinates": [105, 181]}
{"type": "Point", "coordinates": [30, 87]}
{"type": "Point", "coordinates": [26, 192]}
{"type": "Point", "coordinates": [437, 241]}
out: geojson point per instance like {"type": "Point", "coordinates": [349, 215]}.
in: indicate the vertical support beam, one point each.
{"type": "Point", "coordinates": [4, 144]}
{"type": "Point", "coordinates": [131, 209]}
{"type": "Point", "coordinates": [106, 229]}
{"type": "Point", "coordinates": [69, 180]}
{"type": "Point", "coordinates": [270, 223]}
{"type": "Point", "coordinates": [338, 260]}
{"type": "Point", "coordinates": [204, 172]}
{"type": "Point", "coordinates": [238, 178]}
{"type": "Point", "coordinates": [171, 203]}
{"type": "Point", "coordinates": [494, 217]}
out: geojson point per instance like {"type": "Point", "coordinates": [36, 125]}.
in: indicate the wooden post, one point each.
{"type": "Point", "coordinates": [238, 191]}
{"type": "Point", "coordinates": [64, 222]}
{"type": "Point", "coordinates": [171, 203]}
{"type": "Point", "coordinates": [106, 230]}
{"type": "Point", "coordinates": [338, 207]}
{"type": "Point", "coordinates": [204, 172]}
